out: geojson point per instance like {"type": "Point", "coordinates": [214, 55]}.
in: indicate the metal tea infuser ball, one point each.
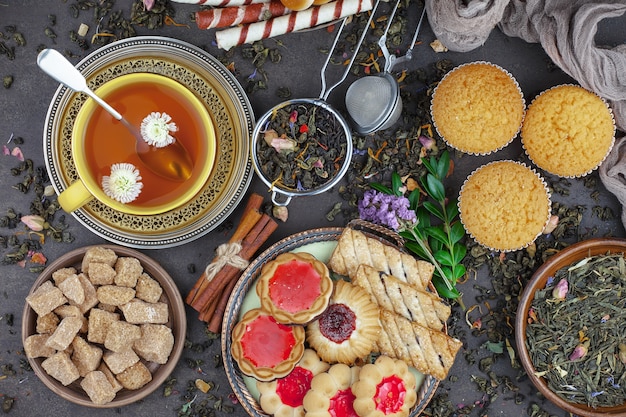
{"type": "Point", "coordinates": [374, 102]}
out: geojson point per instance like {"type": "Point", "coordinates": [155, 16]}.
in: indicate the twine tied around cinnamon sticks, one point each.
{"type": "Point", "coordinates": [209, 296]}
{"type": "Point", "coordinates": [226, 254]}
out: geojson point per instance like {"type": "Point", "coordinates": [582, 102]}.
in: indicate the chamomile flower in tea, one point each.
{"type": "Point", "coordinates": [156, 129]}
{"type": "Point", "coordinates": [124, 184]}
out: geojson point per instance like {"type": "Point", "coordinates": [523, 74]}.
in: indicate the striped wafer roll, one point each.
{"type": "Point", "coordinates": [237, 15]}
{"type": "Point", "coordinates": [291, 22]}
{"type": "Point", "coordinates": [221, 3]}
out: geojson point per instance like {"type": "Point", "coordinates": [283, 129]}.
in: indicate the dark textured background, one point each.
{"type": "Point", "coordinates": [23, 109]}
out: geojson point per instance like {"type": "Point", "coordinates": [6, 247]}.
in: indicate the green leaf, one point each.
{"type": "Point", "coordinates": [443, 290]}
{"type": "Point", "coordinates": [430, 164]}
{"type": "Point", "coordinates": [436, 245]}
{"type": "Point", "coordinates": [435, 188]}
{"type": "Point", "coordinates": [458, 271]}
{"type": "Point", "coordinates": [443, 166]}
{"type": "Point", "coordinates": [452, 209]}
{"type": "Point", "coordinates": [416, 249]}
{"type": "Point", "coordinates": [459, 250]}
{"type": "Point", "coordinates": [495, 347]}
{"type": "Point", "coordinates": [438, 233]}
{"type": "Point", "coordinates": [457, 231]}
{"type": "Point", "coordinates": [414, 199]}
{"type": "Point", "coordinates": [383, 189]}
{"type": "Point", "coordinates": [423, 218]}
{"type": "Point", "coordinates": [444, 257]}
{"type": "Point", "coordinates": [396, 183]}
{"type": "Point", "coordinates": [434, 209]}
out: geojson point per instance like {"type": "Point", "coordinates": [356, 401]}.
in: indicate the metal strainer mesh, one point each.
{"type": "Point", "coordinates": [368, 99]}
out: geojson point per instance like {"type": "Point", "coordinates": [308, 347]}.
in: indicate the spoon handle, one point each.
{"type": "Point", "coordinates": [53, 63]}
{"type": "Point", "coordinates": [103, 103]}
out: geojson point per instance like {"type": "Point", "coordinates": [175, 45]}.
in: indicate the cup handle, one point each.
{"type": "Point", "coordinates": [74, 197]}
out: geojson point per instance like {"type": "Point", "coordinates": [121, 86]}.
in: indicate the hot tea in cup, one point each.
{"type": "Point", "coordinates": [100, 144]}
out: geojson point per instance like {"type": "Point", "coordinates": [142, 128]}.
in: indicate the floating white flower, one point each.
{"type": "Point", "coordinates": [124, 184]}
{"type": "Point", "coordinates": [156, 128]}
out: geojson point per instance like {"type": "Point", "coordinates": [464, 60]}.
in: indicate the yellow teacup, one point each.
{"type": "Point", "coordinates": [99, 141]}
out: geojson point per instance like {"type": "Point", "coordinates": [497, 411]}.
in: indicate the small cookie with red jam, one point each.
{"type": "Point", "coordinates": [264, 348]}
{"type": "Point", "coordinates": [283, 397]}
{"type": "Point", "coordinates": [294, 288]}
{"type": "Point", "coordinates": [386, 388]}
{"type": "Point", "coordinates": [349, 327]}
{"type": "Point", "coordinates": [330, 394]}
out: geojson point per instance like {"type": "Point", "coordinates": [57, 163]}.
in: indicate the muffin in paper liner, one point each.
{"type": "Point", "coordinates": [568, 131]}
{"type": "Point", "coordinates": [504, 205]}
{"type": "Point", "coordinates": [478, 108]}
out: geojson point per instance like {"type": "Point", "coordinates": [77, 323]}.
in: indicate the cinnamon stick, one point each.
{"type": "Point", "coordinates": [215, 320]}
{"type": "Point", "coordinates": [250, 244]}
{"type": "Point", "coordinates": [250, 217]}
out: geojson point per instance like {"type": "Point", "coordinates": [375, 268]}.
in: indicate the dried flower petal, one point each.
{"type": "Point", "coordinates": [280, 212]}
{"type": "Point", "coordinates": [552, 224]}
{"type": "Point", "coordinates": [579, 352]}
{"type": "Point", "coordinates": [124, 184]}
{"type": "Point", "coordinates": [17, 152]}
{"type": "Point", "coordinates": [38, 258]}
{"type": "Point", "coordinates": [6, 150]}
{"type": "Point", "coordinates": [560, 290]}
{"type": "Point", "coordinates": [427, 142]}
{"type": "Point", "coordinates": [156, 128]}
{"type": "Point", "coordinates": [34, 222]}
{"type": "Point", "coordinates": [389, 210]}
{"type": "Point", "coordinates": [148, 4]}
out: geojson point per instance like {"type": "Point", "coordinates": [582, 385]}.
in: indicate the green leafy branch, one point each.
{"type": "Point", "coordinates": [440, 241]}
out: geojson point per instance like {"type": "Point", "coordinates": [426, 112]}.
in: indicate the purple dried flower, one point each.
{"type": "Point", "coordinates": [388, 210]}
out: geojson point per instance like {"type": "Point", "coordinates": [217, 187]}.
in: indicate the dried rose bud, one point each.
{"type": "Point", "coordinates": [560, 290]}
{"type": "Point", "coordinates": [579, 352]}
{"type": "Point", "coordinates": [34, 223]}
{"type": "Point", "coordinates": [427, 142]}
{"type": "Point", "coordinates": [552, 224]}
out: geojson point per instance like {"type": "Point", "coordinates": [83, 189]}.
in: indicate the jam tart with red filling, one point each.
{"type": "Point", "coordinates": [349, 327]}
{"type": "Point", "coordinates": [294, 287]}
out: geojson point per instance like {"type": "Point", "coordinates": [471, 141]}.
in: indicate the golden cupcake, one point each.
{"type": "Point", "coordinates": [294, 288]}
{"type": "Point", "coordinates": [349, 327]}
{"type": "Point", "coordinates": [283, 397]}
{"type": "Point", "coordinates": [331, 392]}
{"type": "Point", "coordinates": [504, 205]}
{"type": "Point", "coordinates": [568, 131]}
{"type": "Point", "coordinates": [386, 388]}
{"type": "Point", "coordinates": [264, 348]}
{"type": "Point", "coordinates": [478, 108]}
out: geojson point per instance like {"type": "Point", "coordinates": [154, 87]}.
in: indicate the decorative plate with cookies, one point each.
{"type": "Point", "coordinates": [382, 312]}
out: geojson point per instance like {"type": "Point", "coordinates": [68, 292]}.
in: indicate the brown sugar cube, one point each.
{"type": "Point", "coordinates": [65, 333]}
{"type": "Point", "coordinates": [135, 377]}
{"type": "Point", "coordinates": [35, 346]}
{"type": "Point", "coordinates": [107, 307]}
{"type": "Point", "coordinates": [140, 312]}
{"type": "Point", "coordinates": [155, 344]}
{"type": "Point", "coordinates": [62, 274]}
{"type": "Point", "coordinates": [67, 310]}
{"type": "Point", "coordinates": [73, 289]}
{"type": "Point", "coordinates": [86, 357]}
{"type": "Point", "coordinates": [118, 361]}
{"type": "Point", "coordinates": [148, 289]}
{"type": "Point", "coordinates": [110, 376]}
{"type": "Point", "coordinates": [46, 298]}
{"type": "Point", "coordinates": [98, 324]}
{"type": "Point", "coordinates": [101, 273]}
{"type": "Point", "coordinates": [114, 295]}
{"type": "Point", "coordinates": [121, 336]}
{"type": "Point", "coordinates": [60, 367]}
{"type": "Point", "coordinates": [98, 254]}
{"type": "Point", "coordinates": [98, 387]}
{"type": "Point", "coordinates": [127, 271]}
{"type": "Point", "coordinates": [90, 294]}
{"type": "Point", "coordinates": [47, 323]}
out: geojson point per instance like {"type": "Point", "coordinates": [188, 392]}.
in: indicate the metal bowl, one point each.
{"type": "Point", "coordinates": [281, 196]}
